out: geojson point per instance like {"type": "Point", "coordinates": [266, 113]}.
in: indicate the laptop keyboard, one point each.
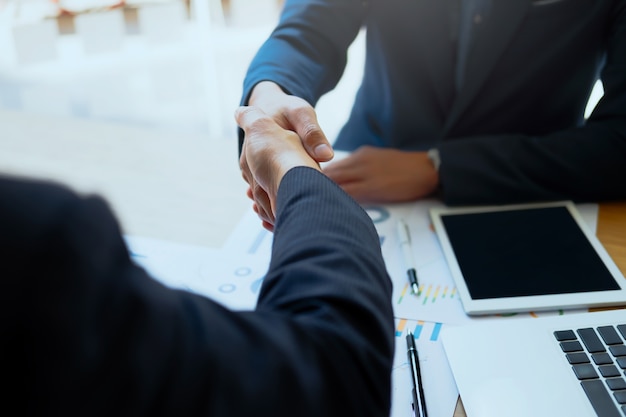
{"type": "Point", "coordinates": [598, 359]}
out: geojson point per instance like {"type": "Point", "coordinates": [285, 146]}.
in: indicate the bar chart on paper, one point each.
{"type": "Point", "coordinates": [417, 327]}
{"type": "Point", "coordinates": [230, 278]}
{"type": "Point", "coordinates": [436, 299]}
{"type": "Point", "coordinates": [429, 294]}
{"type": "Point", "coordinates": [440, 390]}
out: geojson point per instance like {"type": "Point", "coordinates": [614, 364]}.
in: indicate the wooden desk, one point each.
{"type": "Point", "coordinates": [611, 231]}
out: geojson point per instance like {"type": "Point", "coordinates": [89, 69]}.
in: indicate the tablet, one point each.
{"type": "Point", "coordinates": [530, 257]}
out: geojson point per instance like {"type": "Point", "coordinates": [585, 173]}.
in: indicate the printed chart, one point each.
{"type": "Point", "coordinates": [227, 277]}
{"type": "Point", "coordinates": [439, 386]}
{"type": "Point", "coordinates": [436, 300]}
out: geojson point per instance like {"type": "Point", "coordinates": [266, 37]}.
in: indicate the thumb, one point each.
{"type": "Point", "coordinates": [305, 124]}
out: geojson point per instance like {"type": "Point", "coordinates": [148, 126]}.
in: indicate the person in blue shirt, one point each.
{"type": "Point", "coordinates": [477, 101]}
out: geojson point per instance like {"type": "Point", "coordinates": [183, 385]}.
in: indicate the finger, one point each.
{"type": "Point", "coordinates": [304, 122]}
{"type": "Point", "coordinates": [268, 226]}
{"type": "Point", "coordinates": [263, 203]}
{"type": "Point", "coordinates": [244, 167]}
{"type": "Point", "coordinates": [342, 172]}
{"type": "Point", "coordinates": [261, 214]}
{"type": "Point", "coordinates": [359, 192]}
{"type": "Point", "coordinates": [247, 115]}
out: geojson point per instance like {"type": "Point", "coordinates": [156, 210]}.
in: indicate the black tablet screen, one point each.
{"type": "Point", "coordinates": [526, 252]}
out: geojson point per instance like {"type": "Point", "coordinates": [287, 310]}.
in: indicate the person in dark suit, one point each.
{"type": "Point", "coordinates": [480, 101]}
{"type": "Point", "coordinates": [86, 332]}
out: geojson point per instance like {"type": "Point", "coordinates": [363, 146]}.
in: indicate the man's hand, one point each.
{"type": "Point", "coordinates": [269, 151]}
{"type": "Point", "coordinates": [293, 113]}
{"type": "Point", "coordinates": [375, 175]}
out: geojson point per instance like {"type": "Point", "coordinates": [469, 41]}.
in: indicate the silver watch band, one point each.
{"type": "Point", "coordinates": [433, 155]}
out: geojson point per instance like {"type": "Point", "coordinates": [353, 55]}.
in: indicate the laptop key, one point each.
{"type": "Point", "coordinates": [578, 357]}
{"type": "Point", "coordinates": [622, 330]}
{"type": "Point", "coordinates": [602, 358]}
{"type": "Point", "coordinates": [621, 362]}
{"type": "Point", "coordinates": [562, 335]}
{"type": "Point", "coordinates": [585, 371]}
{"type": "Point", "coordinates": [600, 399]}
{"type": "Point", "coordinates": [620, 396]}
{"type": "Point", "coordinates": [608, 371]}
{"type": "Point", "coordinates": [616, 383]}
{"type": "Point", "coordinates": [591, 340]}
{"type": "Point", "coordinates": [609, 335]}
{"type": "Point", "coordinates": [618, 350]}
{"type": "Point", "coordinates": [571, 346]}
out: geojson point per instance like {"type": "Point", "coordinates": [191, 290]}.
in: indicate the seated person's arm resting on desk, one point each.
{"type": "Point", "coordinates": [86, 332]}
{"type": "Point", "coordinates": [369, 174]}
{"type": "Point", "coordinates": [504, 106]}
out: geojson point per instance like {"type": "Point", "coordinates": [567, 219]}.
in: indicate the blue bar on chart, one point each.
{"type": "Point", "coordinates": [421, 329]}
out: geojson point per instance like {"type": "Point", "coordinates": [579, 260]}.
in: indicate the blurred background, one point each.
{"type": "Point", "coordinates": [134, 100]}
{"type": "Point", "coordinates": [166, 64]}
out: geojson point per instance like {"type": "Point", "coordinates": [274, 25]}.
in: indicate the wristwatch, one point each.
{"type": "Point", "coordinates": [433, 155]}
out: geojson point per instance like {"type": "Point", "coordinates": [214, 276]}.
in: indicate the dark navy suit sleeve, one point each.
{"type": "Point", "coordinates": [582, 163]}
{"type": "Point", "coordinates": [306, 53]}
{"type": "Point", "coordinates": [87, 332]}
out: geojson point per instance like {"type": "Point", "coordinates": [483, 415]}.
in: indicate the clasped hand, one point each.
{"type": "Point", "coordinates": [268, 152]}
{"type": "Point", "coordinates": [283, 123]}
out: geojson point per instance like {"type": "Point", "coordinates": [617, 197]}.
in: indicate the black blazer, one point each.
{"type": "Point", "coordinates": [514, 132]}
{"type": "Point", "coordinates": [85, 332]}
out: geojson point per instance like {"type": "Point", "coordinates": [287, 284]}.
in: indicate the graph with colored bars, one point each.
{"type": "Point", "coordinates": [439, 386]}
{"type": "Point", "coordinates": [422, 330]}
{"type": "Point", "coordinates": [429, 293]}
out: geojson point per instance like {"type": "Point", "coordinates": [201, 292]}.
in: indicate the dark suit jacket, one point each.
{"type": "Point", "coordinates": [516, 129]}
{"type": "Point", "coordinates": [85, 332]}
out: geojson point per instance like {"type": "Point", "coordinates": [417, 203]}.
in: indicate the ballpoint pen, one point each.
{"type": "Point", "coordinates": [419, 401]}
{"type": "Point", "coordinates": [407, 251]}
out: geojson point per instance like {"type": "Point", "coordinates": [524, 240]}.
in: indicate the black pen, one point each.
{"type": "Point", "coordinates": [419, 401]}
{"type": "Point", "coordinates": [407, 252]}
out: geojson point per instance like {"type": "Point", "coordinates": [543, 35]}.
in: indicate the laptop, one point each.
{"type": "Point", "coordinates": [569, 365]}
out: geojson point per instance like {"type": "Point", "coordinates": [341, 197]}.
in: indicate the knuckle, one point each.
{"type": "Point", "coordinates": [312, 130]}
{"type": "Point", "coordinates": [255, 120]}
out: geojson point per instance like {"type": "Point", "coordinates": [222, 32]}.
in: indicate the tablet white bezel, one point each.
{"type": "Point", "coordinates": [506, 305]}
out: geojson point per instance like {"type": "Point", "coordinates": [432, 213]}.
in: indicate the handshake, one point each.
{"type": "Point", "coordinates": [269, 151]}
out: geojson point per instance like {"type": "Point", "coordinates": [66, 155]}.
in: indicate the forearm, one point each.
{"type": "Point", "coordinates": [328, 274]}
{"type": "Point", "coordinates": [306, 53]}
{"type": "Point", "coordinates": [582, 164]}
